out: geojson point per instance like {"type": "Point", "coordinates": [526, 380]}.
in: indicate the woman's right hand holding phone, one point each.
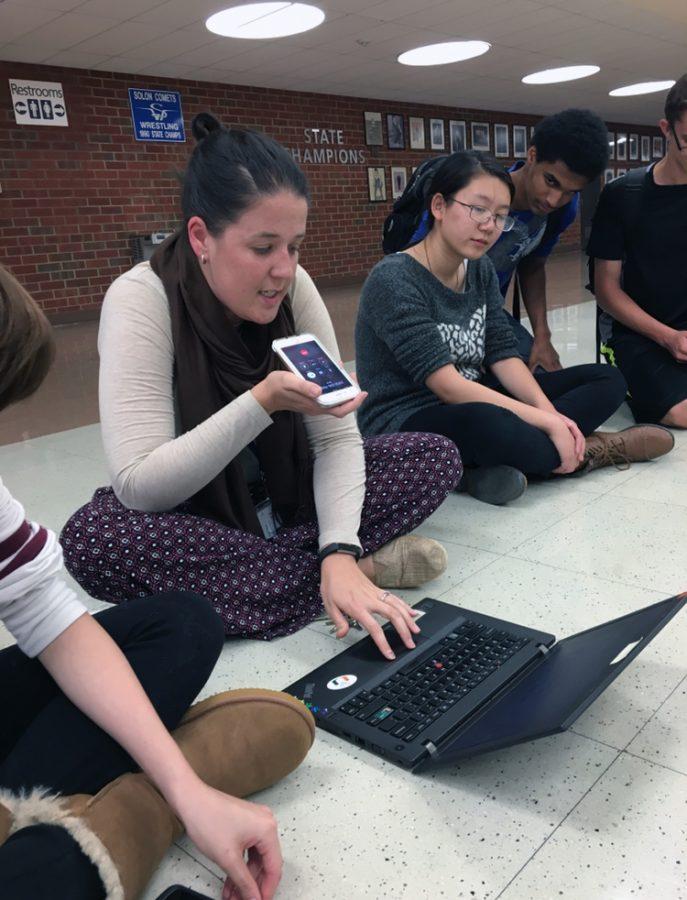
{"type": "Point", "coordinates": [286, 391]}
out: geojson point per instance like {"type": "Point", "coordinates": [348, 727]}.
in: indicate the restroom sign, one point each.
{"type": "Point", "coordinates": [156, 115]}
{"type": "Point", "coordinates": [38, 102]}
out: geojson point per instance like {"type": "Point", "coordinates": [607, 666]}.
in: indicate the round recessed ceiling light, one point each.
{"type": "Point", "coordinates": [646, 87]}
{"type": "Point", "coordinates": [441, 54]}
{"type": "Point", "coordinates": [258, 21]}
{"type": "Point", "coordinates": [567, 73]}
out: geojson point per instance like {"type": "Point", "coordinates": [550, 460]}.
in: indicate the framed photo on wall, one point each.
{"type": "Point", "coordinates": [373, 129]}
{"type": "Point", "coordinates": [399, 179]}
{"type": "Point", "coordinates": [611, 145]}
{"type": "Point", "coordinates": [457, 136]}
{"type": "Point", "coordinates": [436, 134]}
{"type": "Point", "coordinates": [634, 146]}
{"type": "Point", "coordinates": [395, 133]}
{"type": "Point", "coordinates": [376, 183]}
{"type": "Point", "coordinates": [621, 145]}
{"type": "Point", "coordinates": [657, 147]}
{"type": "Point", "coordinates": [501, 140]}
{"type": "Point", "coordinates": [416, 128]}
{"type": "Point", "coordinates": [646, 147]}
{"type": "Point", "coordinates": [520, 141]}
{"type": "Point", "coordinates": [479, 135]}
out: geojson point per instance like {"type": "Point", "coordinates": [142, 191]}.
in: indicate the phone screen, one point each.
{"type": "Point", "coordinates": [314, 364]}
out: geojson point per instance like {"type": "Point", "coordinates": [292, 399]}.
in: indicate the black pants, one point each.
{"type": "Point", "coordinates": [172, 642]}
{"type": "Point", "coordinates": [488, 435]}
{"type": "Point", "coordinates": [655, 379]}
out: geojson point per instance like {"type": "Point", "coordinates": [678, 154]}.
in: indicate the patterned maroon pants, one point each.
{"type": "Point", "coordinates": [261, 589]}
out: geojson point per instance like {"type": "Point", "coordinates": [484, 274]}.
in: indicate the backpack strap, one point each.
{"type": "Point", "coordinates": [631, 198]}
{"type": "Point", "coordinates": [406, 213]}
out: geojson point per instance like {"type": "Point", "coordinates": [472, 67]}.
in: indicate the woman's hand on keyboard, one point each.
{"type": "Point", "coordinates": [347, 593]}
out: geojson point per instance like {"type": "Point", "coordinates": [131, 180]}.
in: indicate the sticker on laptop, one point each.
{"type": "Point", "coordinates": [341, 682]}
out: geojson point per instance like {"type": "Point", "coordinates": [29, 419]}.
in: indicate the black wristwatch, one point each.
{"type": "Point", "coordinates": [350, 549]}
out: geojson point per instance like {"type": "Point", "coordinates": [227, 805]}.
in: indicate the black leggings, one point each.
{"type": "Point", "coordinates": [172, 642]}
{"type": "Point", "coordinates": [488, 435]}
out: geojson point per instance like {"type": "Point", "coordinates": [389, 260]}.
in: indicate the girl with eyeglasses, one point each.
{"type": "Point", "coordinates": [436, 354]}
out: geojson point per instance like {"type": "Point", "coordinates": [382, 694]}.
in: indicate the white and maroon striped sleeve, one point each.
{"type": "Point", "coordinates": [35, 603]}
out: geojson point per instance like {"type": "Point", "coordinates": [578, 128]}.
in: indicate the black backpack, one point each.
{"type": "Point", "coordinates": [406, 213]}
{"type": "Point", "coordinates": [631, 203]}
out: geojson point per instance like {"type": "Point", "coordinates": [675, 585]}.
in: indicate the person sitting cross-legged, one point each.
{"type": "Point", "coordinates": [436, 353]}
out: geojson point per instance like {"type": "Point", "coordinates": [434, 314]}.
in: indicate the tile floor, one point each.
{"type": "Point", "coordinates": [599, 813]}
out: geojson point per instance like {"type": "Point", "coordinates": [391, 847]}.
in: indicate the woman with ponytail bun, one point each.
{"type": "Point", "coordinates": [228, 477]}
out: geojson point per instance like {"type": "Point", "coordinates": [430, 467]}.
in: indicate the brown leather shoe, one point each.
{"type": "Point", "coordinates": [408, 561]}
{"type": "Point", "coordinates": [639, 443]}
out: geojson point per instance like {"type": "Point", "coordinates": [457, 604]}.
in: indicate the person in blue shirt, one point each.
{"type": "Point", "coordinates": [568, 150]}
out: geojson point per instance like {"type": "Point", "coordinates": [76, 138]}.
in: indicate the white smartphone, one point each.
{"type": "Point", "coordinates": [305, 356]}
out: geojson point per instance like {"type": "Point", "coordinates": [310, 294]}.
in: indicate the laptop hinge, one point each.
{"type": "Point", "coordinates": [543, 649]}
{"type": "Point", "coordinates": [431, 749]}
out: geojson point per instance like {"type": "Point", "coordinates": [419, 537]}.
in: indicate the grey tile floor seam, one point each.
{"type": "Point", "coordinates": [640, 543]}
{"type": "Point", "coordinates": [622, 839]}
{"type": "Point", "coordinates": [482, 814]}
{"type": "Point", "coordinates": [559, 825]}
{"type": "Point", "coordinates": [659, 732]}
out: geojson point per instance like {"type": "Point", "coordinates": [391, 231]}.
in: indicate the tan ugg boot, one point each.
{"type": "Point", "coordinates": [5, 819]}
{"type": "Point", "coordinates": [268, 731]}
{"type": "Point", "coordinates": [124, 830]}
{"type": "Point", "coordinates": [238, 742]}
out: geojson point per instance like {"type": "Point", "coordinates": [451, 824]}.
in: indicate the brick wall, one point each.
{"type": "Point", "coordinates": [72, 197]}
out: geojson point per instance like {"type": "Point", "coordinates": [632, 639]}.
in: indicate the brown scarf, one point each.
{"type": "Point", "coordinates": [216, 359]}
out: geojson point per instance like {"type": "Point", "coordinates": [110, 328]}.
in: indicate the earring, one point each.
{"type": "Point", "coordinates": [203, 258]}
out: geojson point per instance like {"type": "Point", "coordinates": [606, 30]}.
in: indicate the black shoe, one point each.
{"type": "Point", "coordinates": [493, 484]}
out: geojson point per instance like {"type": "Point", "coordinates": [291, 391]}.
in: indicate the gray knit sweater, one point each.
{"type": "Point", "coordinates": [410, 324]}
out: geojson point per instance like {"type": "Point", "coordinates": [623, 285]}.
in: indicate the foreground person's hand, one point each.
{"type": "Point", "coordinates": [286, 391]}
{"type": "Point", "coordinates": [347, 593]}
{"type": "Point", "coordinates": [225, 829]}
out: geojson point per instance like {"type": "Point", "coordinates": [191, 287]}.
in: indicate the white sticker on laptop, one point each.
{"type": "Point", "coordinates": [341, 682]}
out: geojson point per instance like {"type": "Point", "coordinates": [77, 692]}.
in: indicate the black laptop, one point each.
{"type": "Point", "coordinates": [472, 684]}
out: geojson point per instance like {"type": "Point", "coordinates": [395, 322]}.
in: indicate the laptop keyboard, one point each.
{"type": "Point", "coordinates": [412, 699]}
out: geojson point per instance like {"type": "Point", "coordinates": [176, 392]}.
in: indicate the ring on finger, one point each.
{"type": "Point", "coordinates": [383, 596]}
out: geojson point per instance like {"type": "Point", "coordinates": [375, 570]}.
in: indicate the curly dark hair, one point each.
{"type": "Point", "coordinates": [676, 101]}
{"type": "Point", "coordinates": [577, 137]}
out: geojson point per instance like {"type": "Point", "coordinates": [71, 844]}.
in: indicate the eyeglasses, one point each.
{"type": "Point", "coordinates": [483, 215]}
{"type": "Point", "coordinates": [679, 146]}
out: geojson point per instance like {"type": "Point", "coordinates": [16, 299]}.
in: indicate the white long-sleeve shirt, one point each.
{"type": "Point", "coordinates": [152, 466]}
{"type": "Point", "coordinates": [36, 605]}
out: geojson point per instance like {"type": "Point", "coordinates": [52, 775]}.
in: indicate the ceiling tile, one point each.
{"type": "Point", "coordinates": [56, 5]}
{"type": "Point", "coordinates": [76, 59]}
{"type": "Point", "coordinates": [17, 20]}
{"type": "Point", "coordinates": [125, 9]}
{"type": "Point", "coordinates": [14, 53]}
{"type": "Point", "coordinates": [128, 35]}
{"type": "Point", "coordinates": [67, 30]}
{"type": "Point", "coordinates": [177, 13]}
